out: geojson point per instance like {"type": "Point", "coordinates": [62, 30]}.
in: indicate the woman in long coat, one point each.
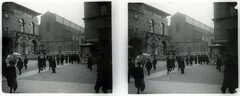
{"type": "Point", "coordinates": [11, 75]}
{"type": "Point", "coordinates": [138, 76]}
{"type": "Point", "coordinates": [169, 65]}
{"type": "Point", "coordinates": [40, 65]}
{"type": "Point", "coordinates": [20, 65]}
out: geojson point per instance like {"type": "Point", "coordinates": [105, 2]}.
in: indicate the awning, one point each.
{"type": "Point", "coordinates": [88, 44]}
{"type": "Point", "coordinates": [216, 45]}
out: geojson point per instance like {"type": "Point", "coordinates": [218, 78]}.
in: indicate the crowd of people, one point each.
{"type": "Point", "coordinates": [104, 68]}
{"type": "Point", "coordinates": [230, 69]}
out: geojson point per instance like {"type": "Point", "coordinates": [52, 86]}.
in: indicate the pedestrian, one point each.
{"type": "Point", "coordinates": [143, 61]}
{"type": "Point", "coordinates": [25, 61]}
{"type": "Point", "coordinates": [230, 80]}
{"type": "Point", "coordinates": [49, 61]}
{"type": "Point", "coordinates": [138, 76]}
{"type": "Point", "coordinates": [169, 67]}
{"type": "Point", "coordinates": [154, 63]}
{"type": "Point", "coordinates": [191, 60]}
{"type": "Point", "coordinates": [207, 59]}
{"type": "Point", "coordinates": [178, 61]}
{"type": "Point", "coordinates": [173, 63]}
{"type": "Point", "coordinates": [58, 60]}
{"type": "Point", "coordinates": [187, 60]}
{"type": "Point", "coordinates": [104, 74]}
{"type": "Point", "coordinates": [20, 65]}
{"type": "Point", "coordinates": [219, 63]}
{"type": "Point", "coordinates": [62, 59]}
{"type": "Point", "coordinates": [66, 58]}
{"type": "Point", "coordinates": [182, 65]}
{"type": "Point", "coordinates": [131, 66]}
{"type": "Point", "coordinates": [53, 65]}
{"type": "Point", "coordinates": [44, 62]}
{"type": "Point", "coordinates": [195, 58]}
{"type": "Point", "coordinates": [11, 75]}
{"type": "Point", "coordinates": [90, 62]}
{"type": "Point", "coordinates": [40, 64]}
{"type": "Point", "coordinates": [148, 66]}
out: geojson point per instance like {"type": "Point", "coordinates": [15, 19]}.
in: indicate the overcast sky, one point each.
{"type": "Point", "coordinates": [74, 11]}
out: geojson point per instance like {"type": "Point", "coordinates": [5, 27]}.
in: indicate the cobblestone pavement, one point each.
{"type": "Point", "coordinates": [199, 79]}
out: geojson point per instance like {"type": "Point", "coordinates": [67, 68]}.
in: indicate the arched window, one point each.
{"type": "Point", "coordinates": [151, 26]}
{"type": "Point", "coordinates": [32, 28]}
{"type": "Point", "coordinates": [161, 28]}
{"type": "Point", "coordinates": [21, 24]}
{"type": "Point", "coordinates": [177, 27]}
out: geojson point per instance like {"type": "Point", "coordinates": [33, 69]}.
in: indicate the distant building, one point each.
{"type": "Point", "coordinates": [98, 27]}
{"type": "Point", "coordinates": [226, 28]}
{"type": "Point", "coordinates": [19, 30]}
{"type": "Point", "coordinates": [60, 36]}
{"type": "Point", "coordinates": [190, 36]}
{"type": "Point", "coordinates": [147, 30]}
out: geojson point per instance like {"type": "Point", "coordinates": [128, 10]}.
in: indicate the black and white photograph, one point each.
{"type": "Point", "coordinates": [56, 47]}
{"type": "Point", "coordinates": [182, 48]}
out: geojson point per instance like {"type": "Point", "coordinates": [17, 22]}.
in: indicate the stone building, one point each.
{"type": "Point", "coordinates": [60, 36]}
{"type": "Point", "coordinates": [19, 30]}
{"type": "Point", "coordinates": [147, 30]}
{"type": "Point", "coordinates": [190, 36]}
{"type": "Point", "coordinates": [98, 27]}
{"type": "Point", "coordinates": [226, 28]}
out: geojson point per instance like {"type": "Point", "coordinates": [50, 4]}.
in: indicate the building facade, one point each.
{"type": "Point", "coordinates": [60, 36]}
{"type": "Point", "coordinates": [147, 30]}
{"type": "Point", "coordinates": [97, 19]}
{"type": "Point", "coordinates": [190, 36]}
{"type": "Point", "coordinates": [19, 30]}
{"type": "Point", "coordinates": [226, 28]}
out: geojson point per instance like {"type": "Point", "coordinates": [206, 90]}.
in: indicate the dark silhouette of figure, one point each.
{"type": "Point", "coordinates": [169, 65]}
{"type": "Point", "coordinates": [138, 76]}
{"type": "Point", "coordinates": [25, 61]}
{"type": "Point", "coordinates": [44, 62]}
{"type": "Point", "coordinates": [230, 80]}
{"type": "Point", "coordinates": [11, 75]}
{"type": "Point", "coordinates": [182, 65]}
{"type": "Point", "coordinates": [219, 63]}
{"type": "Point", "coordinates": [20, 65]}
{"type": "Point", "coordinates": [131, 66]}
{"type": "Point", "coordinates": [148, 66]}
{"type": "Point", "coordinates": [90, 63]}
{"type": "Point", "coordinates": [53, 64]}
{"type": "Point", "coordinates": [154, 63]}
{"type": "Point", "coordinates": [40, 65]}
{"type": "Point", "coordinates": [104, 74]}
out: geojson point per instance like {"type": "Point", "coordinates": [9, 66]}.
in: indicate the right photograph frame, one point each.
{"type": "Point", "coordinates": [182, 47]}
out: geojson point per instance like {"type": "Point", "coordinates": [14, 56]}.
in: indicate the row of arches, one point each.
{"type": "Point", "coordinates": [152, 27]}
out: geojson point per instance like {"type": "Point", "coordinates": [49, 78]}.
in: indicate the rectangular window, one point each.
{"type": "Point", "coordinates": [232, 10]}
{"type": "Point", "coordinates": [103, 9]}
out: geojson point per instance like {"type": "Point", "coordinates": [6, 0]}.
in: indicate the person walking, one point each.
{"type": "Point", "coordinates": [58, 60]}
{"type": "Point", "coordinates": [44, 62]}
{"type": "Point", "coordinates": [138, 76]}
{"type": "Point", "coordinates": [148, 66]}
{"type": "Point", "coordinates": [173, 63]}
{"type": "Point", "coordinates": [187, 60]}
{"type": "Point", "coordinates": [62, 59]}
{"type": "Point", "coordinates": [25, 61]}
{"type": "Point", "coordinates": [230, 79]}
{"type": "Point", "coordinates": [169, 67]}
{"type": "Point", "coordinates": [154, 63]}
{"type": "Point", "coordinates": [195, 58]}
{"type": "Point", "coordinates": [131, 66]}
{"type": "Point", "coordinates": [53, 65]}
{"type": "Point", "coordinates": [20, 65]}
{"type": "Point", "coordinates": [49, 62]}
{"type": "Point", "coordinates": [182, 65]}
{"type": "Point", "coordinates": [90, 63]}
{"type": "Point", "coordinates": [66, 58]}
{"type": "Point", "coordinates": [11, 75]}
{"type": "Point", "coordinates": [219, 63]}
{"type": "Point", "coordinates": [40, 66]}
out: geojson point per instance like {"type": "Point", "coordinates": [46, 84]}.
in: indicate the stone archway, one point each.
{"type": "Point", "coordinates": [7, 46]}
{"type": "Point", "coordinates": [136, 44]}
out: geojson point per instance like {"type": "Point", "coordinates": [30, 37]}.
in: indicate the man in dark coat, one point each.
{"type": "Point", "coordinates": [44, 62]}
{"type": "Point", "coordinates": [169, 65]}
{"type": "Point", "coordinates": [195, 58]}
{"type": "Point", "coordinates": [53, 64]}
{"type": "Point", "coordinates": [182, 65]}
{"type": "Point", "coordinates": [66, 58]}
{"type": "Point", "coordinates": [40, 66]}
{"type": "Point", "coordinates": [20, 65]}
{"type": "Point", "coordinates": [90, 63]}
{"type": "Point", "coordinates": [104, 75]}
{"type": "Point", "coordinates": [191, 60]}
{"type": "Point", "coordinates": [138, 76]}
{"type": "Point", "coordinates": [131, 66]}
{"type": "Point", "coordinates": [25, 61]}
{"type": "Point", "coordinates": [148, 66]}
{"type": "Point", "coordinates": [77, 58]}
{"type": "Point", "coordinates": [154, 63]}
{"type": "Point", "coordinates": [187, 60]}
{"type": "Point", "coordinates": [230, 80]}
{"type": "Point", "coordinates": [207, 59]}
{"type": "Point", "coordinates": [58, 60]}
{"type": "Point", "coordinates": [62, 59]}
{"type": "Point", "coordinates": [173, 62]}
{"type": "Point", "coordinates": [11, 75]}
{"type": "Point", "coordinates": [219, 63]}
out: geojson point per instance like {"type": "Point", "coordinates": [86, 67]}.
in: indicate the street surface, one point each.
{"type": "Point", "coordinates": [198, 79]}
{"type": "Point", "coordinates": [69, 78]}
